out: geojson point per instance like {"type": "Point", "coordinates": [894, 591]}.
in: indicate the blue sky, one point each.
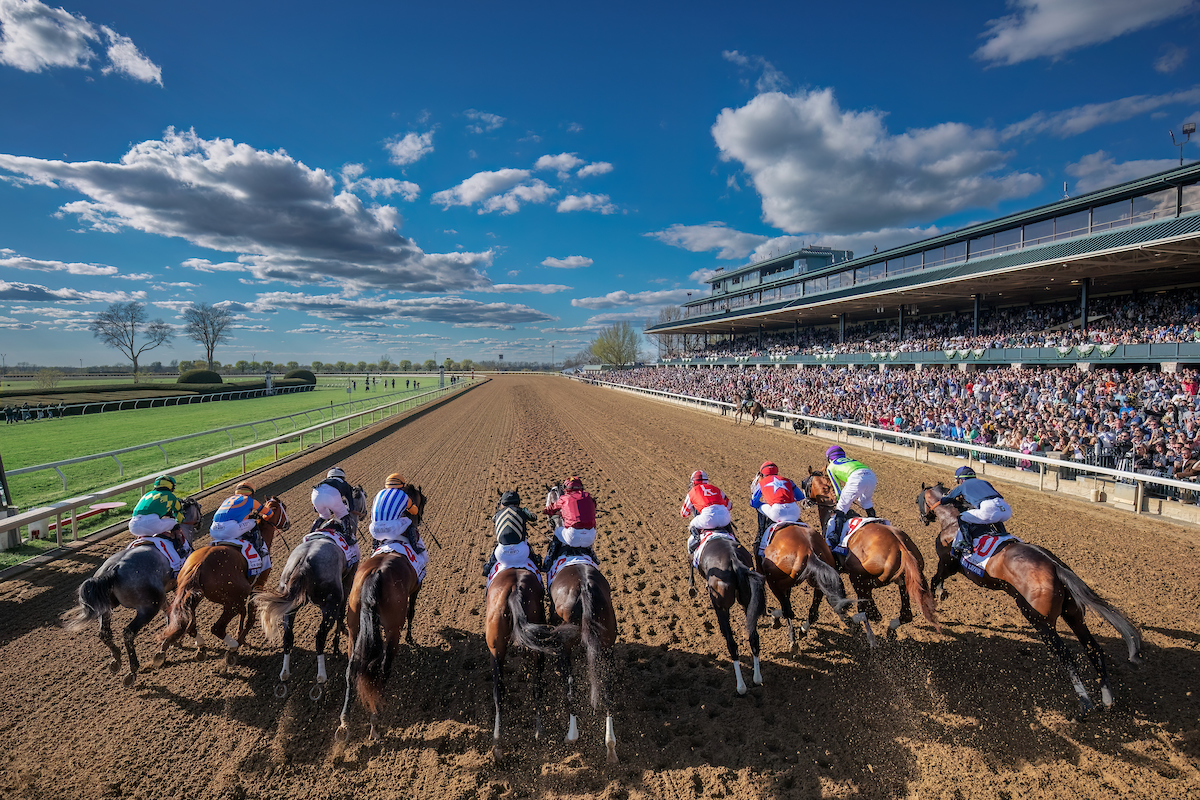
{"type": "Point", "coordinates": [468, 179]}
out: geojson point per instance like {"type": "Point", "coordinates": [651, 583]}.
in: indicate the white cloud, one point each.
{"type": "Point", "coordinates": [1083, 118]}
{"type": "Point", "coordinates": [479, 187]}
{"type": "Point", "coordinates": [1052, 28]}
{"type": "Point", "coordinates": [386, 187]}
{"type": "Point", "coordinates": [484, 121]}
{"type": "Point", "coordinates": [1098, 170]}
{"type": "Point", "coordinates": [595, 168]}
{"type": "Point", "coordinates": [453, 310]}
{"type": "Point", "coordinates": [35, 37]}
{"type": "Point", "coordinates": [769, 80]}
{"type": "Point", "coordinates": [587, 202]}
{"type": "Point", "coordinates": [540, 288]}
{"type": "Point", "coordinates": [563, 163]}
{"type": "Point", "coordinates": [1172, 58]}
{"type": "Point", "coordinates": [72, 268]}
{"type": "Point", "coordinates": [574, 127]}
{"type": "Point", "coordinates": [34, 293]}
{"type": "Point", "coordinates": [819, 168]}
{"type": "Point", "coordinates": [729, 243]}
{"type": "Point", "coordinates": [409, 148]}
{"type": "Point", "coordinates": [536, 191]}
{"type": "Point", "coordinates": [622, 298]}
{"type": "Point", "coordinates": [570, 262]}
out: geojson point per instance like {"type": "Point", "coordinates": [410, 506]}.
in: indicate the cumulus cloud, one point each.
{"type": "Point", "coordinates": [1083, 118]}
{"type": "Point", "coordinates": [540, 288]}
{"type": "Point", "coordinates": [484, 122]}
{"type": "Point", "coordinates": [282, 217]}
{"type": "Point", "coordinates": [1052, 28]}
{"type": "Point", "coordinates": [730, 244]}
{"type": "Point", "coordinates": [770, 79]}
{"type": "Point", "coordinates": [35, 37]}
{"type": "Point", "coordinates": [453, 310]}
{"type": "Point", "coordinates": [587, 202]}
{"type": "Point", "coordinates": [595, 168]}
{"type": "Point", "coordinates": [1098, 170]}
{"type": "Point", "coordinates": [386, 187]}
{"type": "Point", "coordinates": [410, 148]}
{"type": "Point", "coordinates": [479, 187]}
{"type": "Point", "coordinates": [1171, 59]}
{"type": "Point", "coordinates": [570, 262]}
{"type": "Point", "coordinates": [34, 293]}
{"type": "Point", "coordinates": [536, 191]}
{"type": "Point", "coordinates": [819, 168]}
{"type": "Point", "coordinates": [621, 298]}
{"type": "Point", "coordinates": [563, 163]}
{"type": "Point", "coordinates": [72, 268]}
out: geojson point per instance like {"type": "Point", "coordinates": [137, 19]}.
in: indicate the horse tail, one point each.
{"type": "Point", "coordinates": [179, 618]}
{"type": "Point", "coordinates": [275, 604]}
{"type": "Point", "coordinates": [914, 581]}
{"type": "Point", "coordinates": [590, 633]}
{"type": "Point", "coordinates": [1084, 594]}
{"type": "Point", "coordinates": [751, 591]}
{"type": "Point", "coordinates": [367, 662]}
{"type": "Point", "coordinates": [829, 582]}
{"type": "Point", "coordinates": [95, 601]}
{"type": "Point", "coordinates": [532, 636]}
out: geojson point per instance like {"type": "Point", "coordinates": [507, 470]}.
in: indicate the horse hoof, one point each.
{"type": "Point", "coordinates": [315, 692]}
{"type": "Point", "coordinates": [114, 666]}
{"type": "Point", "coordinates": [159, 660]}
{"type": "Point", "coordinates": [691, 591]}
{"type": "Point", "coordinates": [893, 624]}
{"type": "Point", "coordinates": [612, 755]}
{"type": "Point", "coordinates": [231, 658]}
{"type": "Point", "coordinates": [200, 654]}
{"type": "Point", "coordinates": [281, 691]}
{"type": "Point", "coordinates": [497, 753]}
{"type": "Point", "coordinates": [129, 680]}
{"type": "Point", "coordinates": [795, 648]}
{"type": "Point", "coordinates": [375, 735]}
{"type": "Point", "coordinates": [342, 734]}
{"type": "Point", "coordinates": [1106, 696]}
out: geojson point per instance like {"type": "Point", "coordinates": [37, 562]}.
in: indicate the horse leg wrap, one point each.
{"type": "Point", "coordinates": [321, 677]}
{"type": "Point", "coordinates": [758, 679]}
{"type": "Point", "coordinates": [573, 729]}
{"type": "Point", "coordinates": [230, 642]}
{"type": "Point", "coordinates": [286, 672]}
{"type": "Point", "coordinates": [741, 684]}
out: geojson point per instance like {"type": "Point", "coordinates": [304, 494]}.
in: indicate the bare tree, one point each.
{"type": "Point", "coordinates": [123, 327]}
{"type": "Point", "coordinates": [616, 345]}
{"type": "Point", "coordinates": [205, 325]}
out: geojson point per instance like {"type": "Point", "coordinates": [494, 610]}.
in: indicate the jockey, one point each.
{"type": "Point", "coordinates": [774, 497]}
{"type": "Point", "coordinates": [986, 508]}
{"type": "Point", "coordinates": [748, 397]}
{"type": "Point", "coordinates": [578, 531]}
{"type": "Point", "coordinates": [238, 517]}
{"type": "Point", "coordinates": [710, 506]}
{"type": "Point", "coordinates": [512, 545]}
{"type": "Point", "coordinates": [332, 499]}
{"type": "Point", "coordinates": [393, 512]}
{"type": "Point", "coordinates": [159, 513]}
{"type": "Point", "coordinates": [852, 480]}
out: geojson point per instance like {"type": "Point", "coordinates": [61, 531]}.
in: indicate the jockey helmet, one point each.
{"type": "Point", "coordinates": [834, 452]}
{"type": "Point", "coordinates": [165, 482]}
{"type": "Point", "coordinates": [245, 487]}
{"type": "Point", "coordinates": [510, 498]}
{"type": "Point", "coordinates": [336, 472]}
{"type": "Point", "coordinates": [768, 468]}
{"type": "Point", "coordinates": [963, 473]}
{"type": "Point", "coordinates": [394, 481]}
{"type": "Point", "coordinates": [574, 483]}
{"type": "Point", "coordinates": [699, 476]}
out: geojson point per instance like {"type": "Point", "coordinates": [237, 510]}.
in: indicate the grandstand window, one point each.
{"type": "Point", "coordinates": [1113, 215]}
{"type": "Point", "coordinates": [935, 256]}
{"type": "Point", "coordinates": [1191, 199]}
{"type": "Point", "coordinates": [956, 252]}
{"type": "Point", "coordinates": [914, 261]}
{"type": "Point", "coordinates": [1155, 206]}
{"type": "Point", "coordinates": [1007, 240]}
{"type": "Point", "coordinates": [1038, 232]}
{"type": "Point", "coordinates": [982, 245]}
{"type": "Point", "coordinates": [1071, 225]}
{"type": "Point", "coordinates": [895, 266]}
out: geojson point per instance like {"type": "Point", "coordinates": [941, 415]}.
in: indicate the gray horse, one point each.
{"type": "Point", "coordinates": [316, 572]}
{"type": "Point", "coordinates": [137, 578]}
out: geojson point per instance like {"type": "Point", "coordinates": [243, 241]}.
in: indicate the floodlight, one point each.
{"type": "Point", "coordinates": [1189, 127]}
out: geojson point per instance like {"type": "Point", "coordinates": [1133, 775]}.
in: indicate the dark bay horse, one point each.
{"type": "Point", "coordinates": [137, 578]}
{"type": "Point", "coordinates": [580, 595]}
{"type": "Point", "coordinates": [217, 573]}
{"type": "Point", "coordinates": [789, 558]}
{"type": "Point", "coordinates": [382, 601]}
{"type": "Point", "coordinates": [879, 555]}
{"type": "Point", "coordinates": [1044, 589]}
{"type": "Point", "coordinates": [755, 410]}
{"type": "Point", "coordinates": [725, 566]}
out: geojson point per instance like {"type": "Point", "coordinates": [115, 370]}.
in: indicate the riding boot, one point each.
{"type": "Point", "coordinates": [834, 534]}
{"type": "Point", "coordinates": [348, 531]}
{"type": "Point", "coordinates": [414, 539]}
{"type": "Point", "coordinates": [693, 541]}
{"type": "Point", "coordinates": [254, 537]}
{"type": "Point", "coordinates": [178, 542]}
{"type": "Point", "coordinates": [551, 554]}
{"type": "Point", "coordinates": [491, 562]}
{"type": "Point", "coordinates": [964, 542]}
{"type": "Point", "coordinates": [869, 512]}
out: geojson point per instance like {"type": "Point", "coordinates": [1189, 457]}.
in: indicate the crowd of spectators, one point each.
{"type": "Point", "coordinates": [28, 413]}
{"type": "Point", "coordinates": [1143, 420]}
{"type": "Point", "coordinates": [1126, 319]}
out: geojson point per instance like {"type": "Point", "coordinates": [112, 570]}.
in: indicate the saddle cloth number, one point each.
{"type": "Point", "coordinates": [986, 546]}
{"type": "Point", "coordinates": [337, 539]}
{"type": "Point", "coordinates": [568, 560]}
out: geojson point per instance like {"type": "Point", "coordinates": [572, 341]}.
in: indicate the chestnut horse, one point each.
{"type": "Point", "coordinates": [791, 557]}
{"type": "Point", "coordinates": [382, 601]}
{"type": "Point", "coordinates": [755, 410]}
{"type": "Point", "coordinates": [725, 566]}
{"type": "Point", "coordinates": [879, 555]}
{"type": "Point", "coordinates": [580, 595]}
{"type": "Point", "coordinates": [135, 577]}
{"type": "Point", "coordinates": [1044, 589]}
{"type": "Point", "coordinates": [217, 573]}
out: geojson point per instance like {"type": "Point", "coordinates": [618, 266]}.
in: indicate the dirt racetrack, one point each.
{"type": "Point", "coordinates": [979, 711]}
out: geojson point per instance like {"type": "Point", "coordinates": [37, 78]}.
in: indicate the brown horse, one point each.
{"type": "Point", "coordinates": [878, 555]}
{"type": "Point", "coordinates": [1044, 589]}
{"type": "Point", "coordinates": [725, 566]}
{"type": "Point", "coordinates": [382, 601]}
{"type": "Point", "coordinates": [580, 595]}
{"type": "Point", "coordinates": [791, 557]}
{"type": "Point", "coordinates": [756, 412]}
{"type": "Point", "coordinates": [217, 573]}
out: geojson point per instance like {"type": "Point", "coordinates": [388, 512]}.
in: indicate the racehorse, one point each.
{"type": "Point", "coordinates": [755, 410]}
{"type": "Point", "coordinates": [879, 554]}
{"type": "Point", "coordinates": [1044, 589]}
{"type": "Point", "coordinates": [580, 595]}
{"type": "Point", "coordinates": [382, 599]}
{"type": "Point", "coordinates": [725, 566]}
{"type": "Point", "coordinates": [135, 577]}
{"type": "Point", "coordinates": [317, 571]}
{"type": "Point", "coordinates": [217, 573]}
{"type": "Point", "coordinates": [791, 557]}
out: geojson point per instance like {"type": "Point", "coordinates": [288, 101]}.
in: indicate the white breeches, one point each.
{"type": "Point", "coordinates": [328, 502]}
{"type": "Point", "coordinates": [859, 486]}
{"type": "Point", "coordinates": [711, 518]}
{"type": "Point", "coordinates": [781, 512]}
{"type": "Point", "coordinates": [230, 530]}
{"type": "Point", "coordinates": [576, 537]}
{"type": "Point", "coordinates": [389, 530]}
{"type": "Point", "coordinates": [146, 525]}
{"type": "Point", "coordinates": [512, 555]}
{"type": "Point", "coordinates": [990, 511]}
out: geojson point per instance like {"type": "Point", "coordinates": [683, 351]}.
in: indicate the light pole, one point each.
{"type": "Point", "coordinates": [3, 368]}
{"type": "Point", "coordinates": [552, 358]}
{"type": "Point", "coordinates": [1188, 129]}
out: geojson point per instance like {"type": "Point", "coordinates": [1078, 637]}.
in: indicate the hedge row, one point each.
{"type": "Point", "coordinates": [159, 390]}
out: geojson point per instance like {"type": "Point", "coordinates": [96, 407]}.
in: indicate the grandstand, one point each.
{"type": "Point", "coordinates": [1084, 253]}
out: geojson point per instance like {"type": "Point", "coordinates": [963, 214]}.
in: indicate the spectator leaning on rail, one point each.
{"type": "Point", "coordinates": [159, 513]}
{"type": "Point", "coordinates": [333, 499]}
{"type": "Point", "coordinates": [775, 498]}
{"type": "Point", "coordinates": [238, 517]}
{"type": "Point", "coordinates": [578, 531]}
{"type": "Point", "coordinates": [710, 508]}
{"type": "Point", "coordinates": [852, 480]}
{"type": "Point", "coordinates": [985, 509]}
{"type": "Point", "coordinates": [392, 514]}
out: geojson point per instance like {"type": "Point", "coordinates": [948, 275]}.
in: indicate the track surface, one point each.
{"type": "Point", "coordinates": [978, 711]}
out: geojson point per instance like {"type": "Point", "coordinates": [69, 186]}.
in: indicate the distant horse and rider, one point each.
{"type": "Point", "coordinates": [753, 408]}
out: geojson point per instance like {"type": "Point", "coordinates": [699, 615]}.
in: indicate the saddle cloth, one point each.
{"type": "Point", "coordinates": [351, 553]}
{"type": "Point", "coordinates": [769, 534]}
{"type": "Point", "coordinates": [850, 528]}
{"type": "Point", "coordinates": [986, 546]}
{"type": "Point", "coordinates": [255, 564]}
{"type": "Point", "coordinates": [163, 546]}
{"type": "Point", "coordinates": [566, 561]}
{"type": "Point", "coordinates": [418, 560]}
{"type": "Point", "coordinates": [705, 538]}
{"type": "Point", "coordinates": [501, 566]}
